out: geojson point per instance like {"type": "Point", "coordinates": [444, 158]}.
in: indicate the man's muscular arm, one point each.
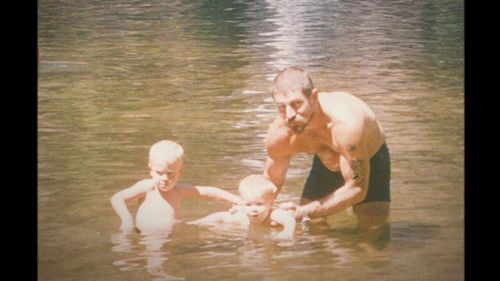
{"type": "Point", "coordinates": [278, 158]}
{"type": "Point", "coordinates": [276, 169]}
{"type": "Point", "coordinates": [355, 168]}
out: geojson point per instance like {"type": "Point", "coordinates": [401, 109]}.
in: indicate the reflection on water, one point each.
{"type": "Point", "coordinates": [116, 76]}
{"type": "Point", "coordinates": [228, 251]}
{"type": "Point", "coordinates": [148, 253]}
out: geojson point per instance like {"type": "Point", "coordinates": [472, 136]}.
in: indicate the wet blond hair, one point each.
{"type": "Point", "coordinates": [292, 79]}
{"type": "Point", "coordinates": [257, 183]}
{"type": "Point", "coordinates": [166, 151]}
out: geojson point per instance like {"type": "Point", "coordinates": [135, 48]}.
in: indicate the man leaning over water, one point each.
{"type": "Point", "coordinates": [351, 165]}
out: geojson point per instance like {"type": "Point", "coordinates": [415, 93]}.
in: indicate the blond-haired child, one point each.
{"type": "Point", "coordinates": [162, 194]}
{"type": "Point", "coordinates": [257, 195]}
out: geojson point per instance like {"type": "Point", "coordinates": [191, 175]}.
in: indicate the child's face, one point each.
{"type": "Point", "coordinates": [165, 174]}
{"type": "Point", "coordinates": [257, 206]}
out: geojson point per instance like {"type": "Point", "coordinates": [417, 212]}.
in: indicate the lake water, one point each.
{"type": "Point", "coordinates": [116, 76]}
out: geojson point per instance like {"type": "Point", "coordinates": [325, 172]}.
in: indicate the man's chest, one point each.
{"type": "Point", "coordinates": [319, 145]}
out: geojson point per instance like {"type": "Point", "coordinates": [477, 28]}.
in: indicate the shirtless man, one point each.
{"type": "Point", "coordinates": [351, 165]}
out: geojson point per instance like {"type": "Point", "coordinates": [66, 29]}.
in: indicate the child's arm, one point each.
{"type": "Point", "coordinates": [217, 217]}
{"type": "Point", "coordinates": [236, 218]}
{"type": "Point", "coordinates": [287, 220]}
{"type": "Point", "coordinates": [213, 193]}
{"type": "Point", "coordinates": [119, 205]}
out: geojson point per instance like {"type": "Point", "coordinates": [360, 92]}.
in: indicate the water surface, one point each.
{"type": "Point", "coordinates": [116, 76]}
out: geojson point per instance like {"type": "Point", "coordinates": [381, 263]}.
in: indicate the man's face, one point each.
{"type": "Point", "coordinates": [295, 109]}
{"type": "Point", "coordinates": [165, 174]}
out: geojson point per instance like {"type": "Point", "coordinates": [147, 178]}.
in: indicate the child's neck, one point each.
{"type": "Point", "coordinates": [163, 191]}
{"type": "Point", "coordinates": [265, 222]}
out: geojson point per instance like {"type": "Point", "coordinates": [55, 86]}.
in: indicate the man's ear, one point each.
{"type": "Point", "coordinates": [314, 95]}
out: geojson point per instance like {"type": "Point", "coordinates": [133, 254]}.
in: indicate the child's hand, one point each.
{"type": "Point", "coordinates": [235, 209]}
{"type": "Point", "coordinates": [127, 225]}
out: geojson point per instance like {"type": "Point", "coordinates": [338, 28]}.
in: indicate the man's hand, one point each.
{"type": "Point", "coordinates": [293, 207]}
{"type": "Point", "coordinates": [288, 206]}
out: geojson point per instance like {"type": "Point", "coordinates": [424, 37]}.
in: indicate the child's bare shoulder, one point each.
{"type": "Point", "coordinates": [184, 189]}
{"type": "Point", "coordinates": [145, 185]}
{"type": "Point", "coordinates": [183, 186]}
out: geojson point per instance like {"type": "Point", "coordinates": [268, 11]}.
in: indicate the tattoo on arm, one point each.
{"type": "Point", "coordinates": [351, 147]}
{"type": "Point", "coordinates": [358, 171]}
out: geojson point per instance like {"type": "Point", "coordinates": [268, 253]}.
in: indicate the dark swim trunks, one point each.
{"type": "Point", "coordinates": [322, 181]}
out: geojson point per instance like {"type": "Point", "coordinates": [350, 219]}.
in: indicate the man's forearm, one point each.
{"type": "Point", "coordinates": [339, 200]}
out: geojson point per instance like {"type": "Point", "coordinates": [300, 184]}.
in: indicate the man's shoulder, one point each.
{"type": "Point", "coordinates": [342, 107]}
{"type": "Point", "coordinates": [334, 94]}
{"type": "Point", "coordinates": [334, 99]}
{"type": "Point", "coordinates": [338, 98]}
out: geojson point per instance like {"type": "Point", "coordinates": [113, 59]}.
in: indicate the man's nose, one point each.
{"type": "Point", "coordinates": [164, 177]}
{"type": "Point", "coordinates": [290, 113]}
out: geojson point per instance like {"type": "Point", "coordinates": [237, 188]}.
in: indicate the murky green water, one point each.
{"type": "Point", "coordinates": [116, 76]}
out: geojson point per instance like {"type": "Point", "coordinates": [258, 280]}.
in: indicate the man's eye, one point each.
{"type": "Point", "coordinates": [296, 104]}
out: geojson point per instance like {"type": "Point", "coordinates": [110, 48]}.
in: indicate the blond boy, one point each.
{"type": "Point", "coordinates": [257, 197]}
{"type": "Point", "coordinates": [161, 194]}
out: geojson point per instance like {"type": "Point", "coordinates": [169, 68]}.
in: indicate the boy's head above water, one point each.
{"type": "Point", "coordinates": [257, 195]}
{"type": "Point", "coordinates": [166, 161]}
